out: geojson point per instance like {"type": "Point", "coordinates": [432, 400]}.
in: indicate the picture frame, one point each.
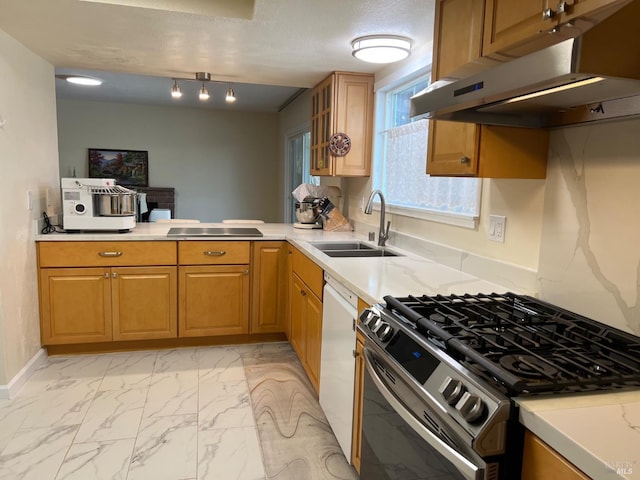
{"type": "Point", "coordinates": [127, 167]}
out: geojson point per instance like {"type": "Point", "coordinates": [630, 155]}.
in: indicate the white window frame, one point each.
{"type": "Point", "coordinates": [383, 105]}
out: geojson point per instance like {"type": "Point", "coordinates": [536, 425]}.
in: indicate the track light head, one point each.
{"type": "Point", "coordinates": [204, 93]}
{"type": "Point", "coordinates": [231, 95]}
{"type": "Point", "coordinates": [176, 91]}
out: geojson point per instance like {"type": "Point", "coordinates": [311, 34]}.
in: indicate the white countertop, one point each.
{"type": "Point", "coordinates": [599, 433]}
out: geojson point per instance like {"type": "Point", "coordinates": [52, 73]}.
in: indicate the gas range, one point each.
{"type": "Point", "coordinates": [453, 363]}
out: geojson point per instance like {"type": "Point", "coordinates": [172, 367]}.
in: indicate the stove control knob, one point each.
{"type": "Point", "coordinates": [384, 332]}
{"type": "Point", "coordinates": [369, 319]}
{"type": "Point", "coordinates": [471, 407]}
{"type": "Point", "coordinates": [451, 390]}
{"type": "Point", "coordinates": [375, 324]}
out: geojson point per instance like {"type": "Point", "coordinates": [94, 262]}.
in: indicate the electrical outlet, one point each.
{"type": "Point", "coordinates": [497, 224]}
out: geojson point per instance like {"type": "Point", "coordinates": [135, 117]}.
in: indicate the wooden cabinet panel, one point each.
{"type": "Point", "coordinates": [313, 334]}
{"type": "Point", "coordinates": [269, 287]}
{"type": "Point", "coordinates": [541, 462]}
{"type": "Point", "coordinates": [75, 305]}
{"type": "Point", "coordinates": [213, 300]}
{"type": "Point", "coordinates": [459, 26]}
{"type": "Point", "coordinates": [508, 24]}
{"type": "Point", "coordinates": [595, 9]}
{"type": "Point", "coordinates": [309, 272]}
{"type": "Point", "coordinates": [144, 303]}
{"type": "Point", "coordinates": [453, 148]}
{"type": "Point", "coordinates": [106, 254]}
{"type": "Point", "coordinates": [213, 253]}
{"type": "Point", "coordinates": [356, 443]}
{"type": "Point", "coordinates": [342, 103]}
{"type": "Point", "coordinates": [298, 301]}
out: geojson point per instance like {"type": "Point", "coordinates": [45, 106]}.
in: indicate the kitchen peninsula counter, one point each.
{"type": "Point", "coordinates": [599, 433]}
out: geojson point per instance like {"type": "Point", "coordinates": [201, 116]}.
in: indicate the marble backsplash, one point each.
{"type": "Point", "coordinates": [590, 243]}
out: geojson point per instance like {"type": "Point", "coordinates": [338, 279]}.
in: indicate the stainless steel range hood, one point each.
{"type": "Point", "coordinates": [538, 90]}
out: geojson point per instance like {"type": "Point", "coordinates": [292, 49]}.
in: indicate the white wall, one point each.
{"type": "Point", "coordinates": [29, 161]}
{"type": "Point", "coordinates": [222, 164]}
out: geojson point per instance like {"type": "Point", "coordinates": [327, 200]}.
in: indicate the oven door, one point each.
{"type": "Point", "coordinates": [396, 444]}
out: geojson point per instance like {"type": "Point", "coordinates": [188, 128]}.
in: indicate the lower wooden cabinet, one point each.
{"type": "Point", "coordinates": [541, 462]}
{"type": "Point", "coordinates": [269, 287]}
{"type": "Point", "coordinates": [89, 305]}
{"type": "Point", "coordinates": [213, 300]}
{"type": "Point", "coordinates": [358, 395]}
{"type": "Point", "coordinates": [306, 328]}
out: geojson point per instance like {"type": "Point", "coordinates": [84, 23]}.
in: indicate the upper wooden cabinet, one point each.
{"type": "Point", "coordinates": [465, 149]}
{"type": "Point", "coordinates": [342, 103]}
{"type": "Point", "coordinates": [517, 28]}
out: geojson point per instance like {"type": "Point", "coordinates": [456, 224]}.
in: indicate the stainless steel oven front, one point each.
{"type": "Point", "coordinates": [405, 438]}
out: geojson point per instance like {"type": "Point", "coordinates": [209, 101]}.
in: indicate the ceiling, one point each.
{"type": "Point", "coordinates": [268, 49]}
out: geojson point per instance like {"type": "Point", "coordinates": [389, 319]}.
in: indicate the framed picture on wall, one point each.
{"type": "Point", "coordinates": [127, 167]}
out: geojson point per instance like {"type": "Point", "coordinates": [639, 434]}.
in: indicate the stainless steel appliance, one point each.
{"type": "Point", "coordinates": [441, 372]}
{"type": "Point", "coordinates": [97, 204]}
{"type": "Point", "coordinates": [308, 213]}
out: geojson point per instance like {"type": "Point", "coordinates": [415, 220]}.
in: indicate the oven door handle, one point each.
{"type": "Point", "coordinates": [466, 468]}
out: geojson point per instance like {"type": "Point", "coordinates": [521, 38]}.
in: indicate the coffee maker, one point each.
{"type": "Point", "coordinates": [97, 204]}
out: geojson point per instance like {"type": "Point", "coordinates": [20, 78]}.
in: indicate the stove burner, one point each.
{"type": "Point", "coordinates": [528, 366]}
{"type": "Point", "coordinates": [437, 318]}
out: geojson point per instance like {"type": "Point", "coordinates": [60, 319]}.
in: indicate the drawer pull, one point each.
{"type": "Point", "coordinates": [110, 254]}
{"type": "Point", "coordinates": [106, 275]}
{"type": "Point", "coordinates": [303, 293]}
{"type": "Point", "coordinates": [214, 253]}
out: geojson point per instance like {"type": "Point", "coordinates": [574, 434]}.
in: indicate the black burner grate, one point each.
{"type": "Point", "coordinates": [524, 345]}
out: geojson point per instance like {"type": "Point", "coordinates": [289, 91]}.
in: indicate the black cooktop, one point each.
{"type": "Point", "coordinates": [523, 345]}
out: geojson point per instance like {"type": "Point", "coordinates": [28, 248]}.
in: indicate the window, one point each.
{"type": "Point", "coordinates": [400, 165]}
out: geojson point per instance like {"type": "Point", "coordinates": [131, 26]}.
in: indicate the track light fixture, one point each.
{"type": "Point", "coordinates": [176, 92]}
{"type": "Point", "coordinates": [231, 95]}
{"type": "Point", "coordinates": [203, 93]}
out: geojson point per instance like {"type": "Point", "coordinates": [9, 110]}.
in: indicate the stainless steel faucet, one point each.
{"type": "Point", "coordinates": [383, 235]}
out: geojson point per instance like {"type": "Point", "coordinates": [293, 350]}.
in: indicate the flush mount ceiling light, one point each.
{"type": "Point", "coordinates": [203, 92]}
{"type": "Point", "coordinates": [81, 80]}
{"type": "Point", "coordinates": [381, 48]}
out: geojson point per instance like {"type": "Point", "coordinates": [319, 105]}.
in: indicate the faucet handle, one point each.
{"type": "Point", "coordinates": [386, 231]}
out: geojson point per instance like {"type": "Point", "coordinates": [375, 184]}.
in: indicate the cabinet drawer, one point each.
{"type": "Point", "coordinates": [106, 254]}
{"type": "Point", "coordinates": [309, 272]}
{"type": "Point", "coordinates": [213, 253]}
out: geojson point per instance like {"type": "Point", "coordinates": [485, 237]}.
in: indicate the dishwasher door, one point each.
{"type": "Point", "coordinates": [337, 365]}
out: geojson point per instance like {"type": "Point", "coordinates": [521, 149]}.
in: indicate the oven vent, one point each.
{"type": "Point", "coordinates": [435, 428]}
{"type": "Point", "coordinates": [493, 470]}
{"type": "Point", "coordinates": [379, 366]}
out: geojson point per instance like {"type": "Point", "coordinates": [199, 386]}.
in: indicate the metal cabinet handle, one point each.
{"type": "Point", "coordinates": [214, 253]}
{"type": "Point", "coordinates": [303, 293]}
{"type": "Point", "coordinates": [548, 13]}
{"type": "Point", "coordinates": [110, 254]}
{"type": "Point", "coordinates": [465, 159]}
{"type": "Point", "coordinates": [106, 275]}
{"type": "Point", "coordinates": [563, 7]}
{"type": "Point", "coordinates": [114, 275]}
{"type": "Point", "coordinates": [356, 354]}
{"type": "Point", "coordinates": [246, 272]}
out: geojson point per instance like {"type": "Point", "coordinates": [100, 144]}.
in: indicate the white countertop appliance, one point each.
{"type": "Point", "coordinates": [97, 204]}
{"type": "Point", "coordinates": [441, 372]}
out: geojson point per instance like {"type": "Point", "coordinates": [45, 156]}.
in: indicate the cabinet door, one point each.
{"type": "Point", "coordinates": [356, 443]}
{"type": "Point", "coordinates": [453, 148]}
{"type": "Point", "coordinates": [75, 305]}
{"type": "Point", "coordinates": [354, 116]}
{"type": "Point", "coordinates": [298, 305]}
{"type": "Point", "coordinates": [588, 8]}
{"type": "Point", "coordinates": [457, 36]}
{"type": "Point", "coordinates": [213, 300]}
{"type": "Point", "coordinates": [144, 303]}
{"type": "Point", "coordinates": [313, 334]}
{"type": "Point", "coordinates": [322, 109]}
{"type": "Point", "coordinates": [509, 24]}
{"type": "Point", "coordinates": [541, 462]}
{"type": "Point", "coordinates": [268, 287]}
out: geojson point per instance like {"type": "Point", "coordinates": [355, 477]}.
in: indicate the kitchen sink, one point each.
{"type": "Point", "coordinates": [326, 246]}
{"type": "Point", "coordinates": [352, 250]}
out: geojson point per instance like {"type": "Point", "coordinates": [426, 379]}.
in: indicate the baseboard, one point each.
{"type": "Point", "coordinates": [15, 384]}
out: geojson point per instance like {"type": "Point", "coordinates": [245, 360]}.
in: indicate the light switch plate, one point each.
{"type": "Point", "coordinates": [497, 224]}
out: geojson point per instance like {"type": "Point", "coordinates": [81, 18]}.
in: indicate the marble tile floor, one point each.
{"type": "Point", "coordinates": [239, 412]}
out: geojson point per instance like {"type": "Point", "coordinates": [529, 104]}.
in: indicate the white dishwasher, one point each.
{"type": "Point", "coordinates": [337, 365]}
